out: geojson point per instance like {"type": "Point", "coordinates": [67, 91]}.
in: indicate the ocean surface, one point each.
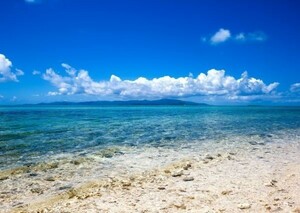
{"type": "Point", "coordinates": [35, 134]}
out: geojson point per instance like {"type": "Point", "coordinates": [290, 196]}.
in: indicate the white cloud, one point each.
{"type": "Point", "coordinates": [213, 83]}
{"type": "Point", "coordinates": [295, 88]}
{"type": "Point", "coordinates": [221, 36]}
{"type": "Point", "coordinates": [224, 35]}
{"type": "Point", "coordinates": [255, 36]}
{"type": "Point", "coordinates": [36, 72]}
{"type": "Point", "coordinates": [19, 72]}
{"type": "Point", "coordinates": [240, 37]}
{"type": "Point", "coordinates": [53, 93]}
{"type": "Point", "coordinates": [5, 70]}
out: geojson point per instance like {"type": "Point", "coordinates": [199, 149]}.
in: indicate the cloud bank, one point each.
{"type": "Point", "coordinates": [223, 35]}
{"type": "Point", "coordinates": [214, 82]}
{"type": "Point", "coordinates": [6, 74]}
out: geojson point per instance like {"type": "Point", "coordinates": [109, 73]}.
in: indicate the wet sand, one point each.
{"type": "Point", "coordinates": [223, 177]}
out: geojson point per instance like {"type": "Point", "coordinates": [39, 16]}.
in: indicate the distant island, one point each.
{"type": "Point", "coordinates": [161, 102]}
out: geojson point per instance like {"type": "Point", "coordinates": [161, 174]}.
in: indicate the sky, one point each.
{"type": "Point", "coordinates": [211, 51]}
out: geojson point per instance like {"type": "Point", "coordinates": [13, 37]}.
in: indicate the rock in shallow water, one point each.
{"type": "Point", "coordinates": [75, 162]}
{"type": "Point", "coordinates": [110, 152]}
{"type": "Point", "coordinates": [256, 143]}
{"type": "Point", "coordinates": [33, 174]}
{"type": "Point", "coordinates": [253, 143]}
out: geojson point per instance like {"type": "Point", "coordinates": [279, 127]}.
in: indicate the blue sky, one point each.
{"type": "Point", "coordinates": [131, 49]}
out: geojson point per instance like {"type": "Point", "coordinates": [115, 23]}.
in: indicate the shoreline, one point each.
{"type": "Point", "coordinates": [257, 178]}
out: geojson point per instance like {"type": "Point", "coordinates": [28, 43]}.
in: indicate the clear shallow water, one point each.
{"type": "Point", "coordinates": [33, 134]}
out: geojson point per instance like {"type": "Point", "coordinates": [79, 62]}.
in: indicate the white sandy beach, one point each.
{"type": "Point", "coordinates": [246, 178]}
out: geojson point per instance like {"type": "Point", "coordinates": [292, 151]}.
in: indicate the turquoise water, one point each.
{"type": "Point", "coordinates": [32, 134]}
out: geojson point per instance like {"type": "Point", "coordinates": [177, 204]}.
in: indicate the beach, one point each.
{"type": "Point", "coordinates": [246, 178]}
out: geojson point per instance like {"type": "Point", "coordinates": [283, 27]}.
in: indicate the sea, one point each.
{"type": "Point", "coordinates": [31, 135]}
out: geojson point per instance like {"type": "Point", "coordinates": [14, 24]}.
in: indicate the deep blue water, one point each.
{"type": "Point", "coordinates": [28, 133]}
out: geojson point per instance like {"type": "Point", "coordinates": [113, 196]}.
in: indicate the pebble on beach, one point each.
{"type": "Point", "coordinates": [50, 179]}
{"type": "Point", "coordinates": [161, 188]}
{"type": "Point", "coordinates": [271, 183]}
{"type": "Point", "coordinates": [226, 192]}
{"type": "Point", "coordinates": [4, 178]}
{"type": "Point", "coordinates": [208, 157]}
{"type": "Point", "coordinates": [188, 179]}
{"type": "Point", "coordinates": [37, 190]}
{"type": "Point", "coordinates": [126, 183]}
{"type": "Point", "coordinates": [177, 173]}
{"type": "Point", "coordinates": [179, 205]}
{"type": "Point", "coordinates": [187, 166]}
{"type": "Point", "coordinates": [244, 206]}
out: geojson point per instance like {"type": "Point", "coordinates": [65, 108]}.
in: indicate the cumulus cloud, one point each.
{"type": "Point", "coordinates": [295, 88]}
{"type": "Point", "coordinates": [221, 36]}
{"type": "Point", "coordinates": [224, 35]}
{"type": "Point", "coordinates": [6, 74]}
{"type": "Point", "coordinates": [214, 82]}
